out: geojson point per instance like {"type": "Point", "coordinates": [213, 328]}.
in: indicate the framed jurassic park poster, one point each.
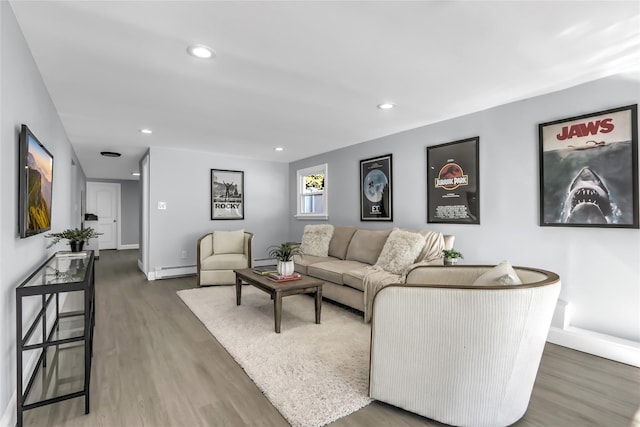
{"type": "Point", "coordinates": [453, 182]}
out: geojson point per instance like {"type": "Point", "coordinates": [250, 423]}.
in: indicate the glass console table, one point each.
{"type": "Point", "coordinates": [54, 347]}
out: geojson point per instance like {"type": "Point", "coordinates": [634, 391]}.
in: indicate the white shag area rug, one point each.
{"type": "Point", "coordinates": [313, 374]}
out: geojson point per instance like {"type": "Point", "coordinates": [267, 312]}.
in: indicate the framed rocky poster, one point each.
{"type": "Point", "coordinates": [375, 189]}
{"type": "Point", "coordinates": [589, 170]}
{"type": "Point", "coordinates": [453, 182]}
{"type": "Point", "coordinates": [227, 194]}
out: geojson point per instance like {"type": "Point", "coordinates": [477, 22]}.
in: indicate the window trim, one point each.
{"type": "Point", "coordinates": [300, 174]}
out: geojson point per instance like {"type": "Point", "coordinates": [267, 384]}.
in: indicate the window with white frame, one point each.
{"type": "Point", "coordinates": [312, 192]}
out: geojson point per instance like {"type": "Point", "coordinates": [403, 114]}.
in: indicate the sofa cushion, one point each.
{"type": "Point", "coordinates": [332, 271]}
{"type": "Point", "coordinates": [224, 262]}
{"type": "Point", "coordinates": [400, 251]}
{"type": "Point", "coordinates": [340, 241]}
{"type": "Point", "coordinates": [302, 262]}
{"type": "Point", "coordinates": [501, 274]}
{"type": "Point", "coordinates": [228, 242]}
{"type": "Point", "coordinates": [366, 245]}
{"type": "Point", "coordinates": [355, 278]}
{"type": "Point", "coordinates": [316, 238]}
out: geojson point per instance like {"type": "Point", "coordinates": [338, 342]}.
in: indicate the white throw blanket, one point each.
{"type": "Point", "coordinates": [376, 278]}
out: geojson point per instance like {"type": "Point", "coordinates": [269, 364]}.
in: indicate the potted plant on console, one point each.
{"type": "Point", "coordinates": [76, 237]}
{"type": "Point", "coordinates": [451, 256]}
{"type": "Point", "coordinates": [284, 253]}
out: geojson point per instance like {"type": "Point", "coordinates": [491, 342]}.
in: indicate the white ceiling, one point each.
{"type": "Point", "coordinates": [304, 75]}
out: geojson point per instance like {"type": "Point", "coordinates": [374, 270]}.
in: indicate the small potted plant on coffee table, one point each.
{"type": "Point", "coordinates": [284, 253]}
{"type": "Point", "coordinates": [76, 237]}
{"type": "Point", "coordinates": [451, 256]}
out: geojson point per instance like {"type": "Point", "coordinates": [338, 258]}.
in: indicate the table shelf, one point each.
{"type": "Point", "coordinates": [61, 378]}
{"type": "Point", "coordinates": [61, 342]}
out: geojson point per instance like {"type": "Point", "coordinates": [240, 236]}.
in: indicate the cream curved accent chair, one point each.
{"type": "Point", "coordinates": [221, 252]}
{"type": "Point", "coordinates": [461, 354]}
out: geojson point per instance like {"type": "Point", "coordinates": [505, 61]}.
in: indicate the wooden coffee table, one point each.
{"type": "Point", "coordinates": [306, 285]}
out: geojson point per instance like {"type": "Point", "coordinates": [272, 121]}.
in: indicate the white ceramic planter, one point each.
{"type": "Point", "coordinates": [285, 268]}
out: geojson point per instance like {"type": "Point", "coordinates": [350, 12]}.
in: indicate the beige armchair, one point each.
{"type": "Point", "coordinates": [459, 353]}
{"type": "Point", "coordinates": [221, 252]}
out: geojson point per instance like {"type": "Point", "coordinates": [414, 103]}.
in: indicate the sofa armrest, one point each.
{"type": "Point", "coordinates": [205, 246]}
{"type": "Point", "coordinates": [248, 245]}
{"type": "Point", "coordinates": [448, 241]}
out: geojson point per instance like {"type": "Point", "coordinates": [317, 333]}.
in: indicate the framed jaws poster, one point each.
{"type": "Point", "coordinates": [589, 170]}
{"type": "Point", "coordinates": [453, 188]}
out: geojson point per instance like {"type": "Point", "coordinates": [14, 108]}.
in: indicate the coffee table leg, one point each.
{"type": "Point", "coordinates": [318, 304]}
{"type": "Point", "coordinates": [277, 311]}
{"type": "Point", "coordinates": [238, 290]}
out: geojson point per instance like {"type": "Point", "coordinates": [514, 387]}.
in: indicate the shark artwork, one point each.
{"type": "Point", "coordinates": [588, 200]}
{"type": "Point", "coordinates": [589, 170]}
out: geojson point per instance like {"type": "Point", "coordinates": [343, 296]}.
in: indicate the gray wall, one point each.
{"type": "Point", "coordinates": [600, 268]}
{"type": "Point", "coordinates": [129, 209]}
{"type": "Point", "coordinates": [182, 180]}
{"type": "Point", "coordinates": [25, 99]}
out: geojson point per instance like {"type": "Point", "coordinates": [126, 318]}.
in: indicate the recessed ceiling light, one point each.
{"type": "Point", "coordinates": [147, 131]}
{"type": "Point", "coordinates": [201, 51]}
{"type": "Point", "coordinates": [110, 154]}
{"type": "Point", "coordinates": [386, 106]}
{"type": "Point", "coordinates": [135, 173]}
{"type": "Point", "coordinates": [279, 149]}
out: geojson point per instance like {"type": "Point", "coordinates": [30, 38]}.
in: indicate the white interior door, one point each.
{"type": "Point", "coordinates": [103, 199]}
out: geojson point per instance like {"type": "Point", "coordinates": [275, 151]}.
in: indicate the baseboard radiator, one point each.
{"type": "Point", "coordinates": [172, 272]}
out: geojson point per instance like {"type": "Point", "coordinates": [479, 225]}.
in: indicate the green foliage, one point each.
{"type": "Point", "coordinates": [314, 181]}
{"type": "Point", "coordinates": [451, 254]}
{"type": "Point", "coordinates": [75, 235]}
{"type": "Point", "coordinates": [285, 251]}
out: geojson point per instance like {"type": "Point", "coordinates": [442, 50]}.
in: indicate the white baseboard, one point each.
{"type": "Point", "coordinates": [607, 346]}
{"type": "Point", "coordinates": [125, 247]}
{"type": "Point", "coordinates": [9, 417]}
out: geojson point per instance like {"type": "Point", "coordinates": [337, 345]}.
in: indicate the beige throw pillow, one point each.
{"type": "Point", "coordinates": [501, 274]}
{"type": "Point", "coordinates": [400, 251]}
{"type": "Point", "coordinates": [228, 242]}
{"type": "Point", "coordinates": [316, 239]}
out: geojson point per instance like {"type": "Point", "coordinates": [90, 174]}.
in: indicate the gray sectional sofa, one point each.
{"type": "Point", "coordinates": [351, 251]}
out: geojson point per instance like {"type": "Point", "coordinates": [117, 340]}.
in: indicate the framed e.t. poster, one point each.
{"type": "Point", "coordinates": [453, 182]}
{"type": "Point", "coordinates": [375, 189]}
{"type": "Point", "coordinates": [589, 170]}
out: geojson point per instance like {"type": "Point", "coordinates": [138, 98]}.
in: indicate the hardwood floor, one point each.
{"type": "Point", "coordinates": [155, 364]}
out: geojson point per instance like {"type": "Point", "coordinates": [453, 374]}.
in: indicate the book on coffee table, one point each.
{"type": "Point", "coordinates": [280, 278]}
{"type": "Point", "coordinates": [265, 270]}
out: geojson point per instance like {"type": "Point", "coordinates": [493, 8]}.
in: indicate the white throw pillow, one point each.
{"type": "Point", "coordinates": [400, 251]}
{"type": "Point", "coordinates": [228, 242]}
{"type": "Point", "coordinates": [501, 274]}
{"type": "Point", "coordinates": [315, 239]}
